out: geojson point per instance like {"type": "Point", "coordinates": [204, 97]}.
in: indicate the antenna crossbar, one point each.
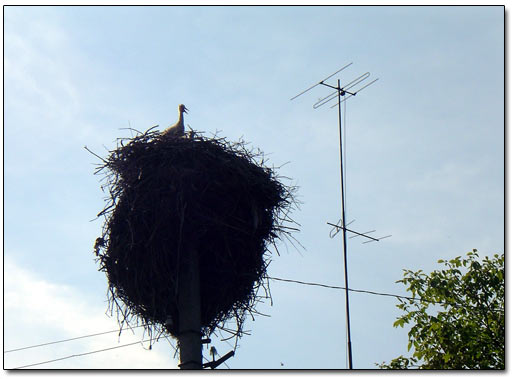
{"type": "Point", "coordinates": [378, 239]}
{"type": "Point", "coordinates": [321, 82]}
{"type": "Point", "coordinates": [363, 234]}
{"type": "Point", "coordinates": [343, 91]}
{"type": "Point", "coordinates": [353, 94]}
{"type": "Point", "coordinates": [354, 232]}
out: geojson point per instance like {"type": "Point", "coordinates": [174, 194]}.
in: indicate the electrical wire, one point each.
{"type": "Point", "coordinates": [340, 288]}
{"type": "Point", "coordinates": [92, 352]}
{"type": "Point", "coordinates": [378, 293]}
{"type": "Point", "coordinates": [69, 339]}
{"type": "Point", "coordinates": [82, 354]}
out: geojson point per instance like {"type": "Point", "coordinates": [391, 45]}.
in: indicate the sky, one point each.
{"type": "Point", "coordinates": [424, 161]}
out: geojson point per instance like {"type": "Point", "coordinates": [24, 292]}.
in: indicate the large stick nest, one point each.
{"type": "Point", "coordinates": [170, 195]}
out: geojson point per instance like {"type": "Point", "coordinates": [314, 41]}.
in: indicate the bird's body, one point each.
{"type": "Point", "coordinates": [177, 130]}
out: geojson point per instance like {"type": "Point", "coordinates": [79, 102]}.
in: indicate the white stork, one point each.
{"type": "Point", "coordinates": [177, 129]}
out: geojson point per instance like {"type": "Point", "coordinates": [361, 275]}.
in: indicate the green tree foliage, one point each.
{"type": "Point", "coordinates": [458, 317]}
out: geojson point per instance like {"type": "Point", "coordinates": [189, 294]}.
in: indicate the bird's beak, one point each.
{"type": "Point", "coordinates": [185, 109]}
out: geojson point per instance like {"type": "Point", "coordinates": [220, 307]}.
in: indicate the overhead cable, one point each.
{"type": "Point", "coordinates": [82, 354]}
{"type": "Point", "coordinates": [69, 339]}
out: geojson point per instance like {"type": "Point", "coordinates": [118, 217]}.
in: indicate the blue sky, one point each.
{"type": "Point", "coordinates": [425, 159]}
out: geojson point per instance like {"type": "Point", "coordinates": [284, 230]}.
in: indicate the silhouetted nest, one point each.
{"type": "Point", "coordinates": [168, 195]}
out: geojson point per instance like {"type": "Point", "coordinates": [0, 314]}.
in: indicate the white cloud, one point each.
{"type": "Point", "coordinates": [37, 311]}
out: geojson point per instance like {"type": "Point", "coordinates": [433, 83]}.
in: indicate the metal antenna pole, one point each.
{"type": "Point", "coordinates": [341, 93]}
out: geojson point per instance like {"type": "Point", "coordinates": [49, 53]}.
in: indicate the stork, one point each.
{"type": "Point", "coordinates": [177, 129]}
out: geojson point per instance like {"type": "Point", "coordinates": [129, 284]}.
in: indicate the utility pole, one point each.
{"type": "Point", "coordinates": [189, 302]}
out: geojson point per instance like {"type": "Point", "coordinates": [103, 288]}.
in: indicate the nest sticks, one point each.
{"type": "Point", "coordinates": [169, 195]}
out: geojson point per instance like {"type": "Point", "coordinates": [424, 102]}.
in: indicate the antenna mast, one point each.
{"type": "Point", "coordinates": [342, 94]}
{"type": "Point", "coordinates": [345, 248]}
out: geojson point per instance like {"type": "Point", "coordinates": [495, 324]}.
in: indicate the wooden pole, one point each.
{"type": "Point", "coordinates": [190, 335]}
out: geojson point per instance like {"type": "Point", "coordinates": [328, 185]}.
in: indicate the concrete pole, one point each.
{"type": "Point", "coordinates": [190, 336]}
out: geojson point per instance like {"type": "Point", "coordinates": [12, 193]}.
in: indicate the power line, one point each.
{"type": "Point", "coordinates": [342, 288]}
{"type": "Point", "coordinates": [378, 293]}
{"type": "Point", "coordinates": [69, 339]}
{"type": "Point", "coordinates": [90, 352]}
{"type": "Point", "coordinates": [97, 351]}
{"type": "Point", "coordinates": [101, 350]}
{"type": "Point", "coordinates": [82, 354]}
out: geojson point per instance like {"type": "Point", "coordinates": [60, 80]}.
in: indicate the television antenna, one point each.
{"type": "Point", "coordinates": [343, 93]}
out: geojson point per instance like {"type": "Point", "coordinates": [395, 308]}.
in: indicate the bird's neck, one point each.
{"type": "Point", "coordinates": [180, 117]}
